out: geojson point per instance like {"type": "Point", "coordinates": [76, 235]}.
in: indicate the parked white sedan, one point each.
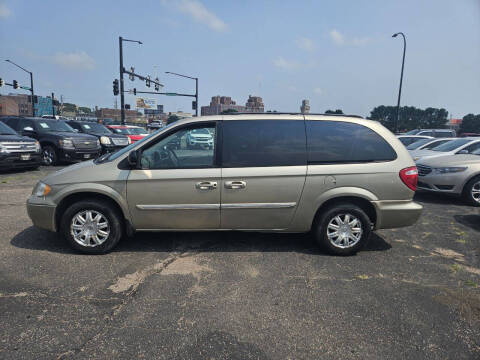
{"type": "Point", "coordinates": [457, 146]}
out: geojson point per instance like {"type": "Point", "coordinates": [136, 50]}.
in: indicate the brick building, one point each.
{"type": "Point", "coordinates": [22, 103]}
{"type": "Point", "coordinates": [254, 104]}
{"type": "Point", "coordinates": [218, 104]}
{"type": "Point", "coordinates": [115, 116]}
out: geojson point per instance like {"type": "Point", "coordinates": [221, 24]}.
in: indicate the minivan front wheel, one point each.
{"type": "Point", "coordinates": [343, 229]}
{"type": "Point", "coordinates": [91, 226]}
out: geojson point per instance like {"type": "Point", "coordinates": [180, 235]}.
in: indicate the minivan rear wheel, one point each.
{"type": "Point", "coordinates": [92, 226]}
{"type": "Point", "coordinates": [471, 191]}
{"type": "Point", "coordinates": [342, 229]}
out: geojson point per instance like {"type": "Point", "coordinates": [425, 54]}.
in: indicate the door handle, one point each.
{"type": "Point", "coordinates": [206, 185]}
{"type": "Point", "coordinates": [235, 184]}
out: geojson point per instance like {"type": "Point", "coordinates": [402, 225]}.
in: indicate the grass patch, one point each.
{"type": "Point", "coordinates": [471, 283]}
{"type": "Point", "coordinates": [363, 277]}
{"type": "Point", "coordinates": [455, 267]}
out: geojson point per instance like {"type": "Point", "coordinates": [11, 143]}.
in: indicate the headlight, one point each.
{"type": "Point", "coordinates": [416, 158]}
{"type": "Point", "coordinates": [37, 147]}
{"type": "Point", "coordinates": [66, 143]}
{"type": "Point", "coordinates": [447, 170]}
{"type": "Point", "coordinates": [41, 189]}
{"type": "Point", "coordinates": [3, 149]}
{"type": "Point", "coordinates": [105, 140]}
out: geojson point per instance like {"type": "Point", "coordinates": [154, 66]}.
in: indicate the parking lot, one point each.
{"type": "Point", "coordinates": [411, 293]}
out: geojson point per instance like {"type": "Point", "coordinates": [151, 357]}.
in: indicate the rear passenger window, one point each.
{"type": "Point", "coordinates": [344, 142]}
{"type": "Point", "coordinates": [256, 143]}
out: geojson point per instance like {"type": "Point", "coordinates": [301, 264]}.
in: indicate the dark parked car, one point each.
{"type": "Point", "coordinates": [108, 140]}
{"type": "Point", "coordinates": [59, 141]}
{"type": "Point", "coordinates": [18, 151]}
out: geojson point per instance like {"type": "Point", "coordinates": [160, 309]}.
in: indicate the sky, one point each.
{"type": "Point", "coordinates": [338, 54]}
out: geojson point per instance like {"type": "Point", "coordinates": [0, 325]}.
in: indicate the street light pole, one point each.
{"type": "Point", "coordinates": [196, 87]}
{"type": "Point", "coordinates": [397, 120]}
{"type": "Point", "coordinates": [122, 97]}
{"type": "Point", "coordinates": [31, 85]}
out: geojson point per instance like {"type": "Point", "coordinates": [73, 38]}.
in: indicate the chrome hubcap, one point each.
{"type": "Point", "coordinates": [344, 230]}
{"type": "Point", "coordinates": [47, 156]}
{"type": "Point", "coordinates": [90, 228]}
{"type": "Point", "coordinates": [476, 191]}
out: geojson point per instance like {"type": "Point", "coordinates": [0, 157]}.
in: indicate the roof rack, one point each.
{"type": "Point", "coordinates": [289, 113]}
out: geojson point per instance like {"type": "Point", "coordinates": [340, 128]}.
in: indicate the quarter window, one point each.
{"type": "Point", "coordinates": [261, 143]}
{"type": "Point", "coordinates": [344, 142]}
{"type": "Point", "coordinates": [187, 148]}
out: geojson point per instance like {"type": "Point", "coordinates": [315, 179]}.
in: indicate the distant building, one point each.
{"type": "Point", "coordinates": [8, 106]}
{"type": "Point", "coordinates": [218, 104]}
{"type": "Point", "coordinates": [255, 104]}
{"type": "Point", "coordinates": [23, 102]}
{"type": "Point", "coordinates": [180, 114]}
{"type": "Point", "coordinates": [305, 108]}
{"type": "Point", "coordinates": [114, 115]}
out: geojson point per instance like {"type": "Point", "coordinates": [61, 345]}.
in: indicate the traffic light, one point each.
{"type": "Point", "coordinates": [157, 87]}
{"type": "Point", "coordinates": [147, 81]}
{"type": "Point", "coordinates": [115, 87]}
{"type": "Point", "coordinates": [127, 106]}
{"type": "Point", "coordinates": [15, 84]}
{"type": "Point", "coordinates": [194, 105]}
{"type": "Point", "coordinates": [134, 91]}
{"type": "Point", "coordinates": [130, 76]}
{"type": "Point", "coordinates": [2, 82]}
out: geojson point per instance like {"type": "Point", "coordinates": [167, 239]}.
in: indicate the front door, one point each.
{"type": "Point", "coordinates": [177, 186]}
{"type": "Point", "coordinates": [263, 172]}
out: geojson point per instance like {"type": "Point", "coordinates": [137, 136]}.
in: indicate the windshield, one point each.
{"type": "Point", "coordinates": [6, 130]}
{"type": "Point", "coordinates": [435, 144]}
{"type": "Point", "coordinates": [95, 128]}
{"type": "Point", "coordinates": [451, 145]}
{"type": "Point", "coordinates": [52, 125]}
{"type": "Point", "coordinates": [200, 131]}
{"type": "Point", "coordinates": [417, 144]}
{"type": "Point", "coordinates": [137, 131]}
{"type": "Point", "coordinates": [413, 132]}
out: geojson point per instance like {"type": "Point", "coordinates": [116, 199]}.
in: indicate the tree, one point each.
{"type": "Point", "coordinates": [470, 124]}
{"type": "Point", "coordinates": [228, 111]}
{"type": "Point", "coordinates": [85, 110]}
{"type": "Point", "coordinates": [338, 111]}
{"type": "Point", "coordinates": [69, 107]}
{"type": "Point", "coordinates": [172, 118]}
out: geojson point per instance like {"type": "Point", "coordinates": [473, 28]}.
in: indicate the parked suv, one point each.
{"type": "Point", "coordinates": [17, 151]}
{"type": "Point", "coordinates": [339, 176]}
{"type": "Point", "coordinates": [108, 140]}
{"type": "Point", "coordinates": [58, 140]}
{"type": "Point", "coordinates": [438, 133]}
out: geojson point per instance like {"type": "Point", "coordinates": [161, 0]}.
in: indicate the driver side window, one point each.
{"type": "Point", "coordinates": [188, 148]}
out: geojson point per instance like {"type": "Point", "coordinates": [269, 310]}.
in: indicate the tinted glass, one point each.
{"type": "Point", "coordinates": [443, 134]}
{"type": "Point", "coordinates": [13, 123]}
{"type": "Point", "coordinates": [435, 144]}
{"type": "Point", "coordinates": [426, 133]}
{"type": "Point", "coordinates": [417, 144]}
{"type": "Point", "coordinates": [257, 143]}
{"type": "Point", "coordinates": [451, 145]}
{"type": "Point", "coordinates": [52, 125]}
{"type": "Point", "coordinates": [6, 130]}
{"type": "Point", "coordinates": [473, 149]}
{"type": "Point", "coordinates": [94, 128]}
{"type": "Point", "coordinates": [413, 132]}
{"type": "Point", "coordinates": [137, 131]}
{"type": "Point", "coordinates": [188, 148]}
{"type": "Point", "coordinates": [343, 142]}
{"type": "Point", "coordinates": [408, 140]}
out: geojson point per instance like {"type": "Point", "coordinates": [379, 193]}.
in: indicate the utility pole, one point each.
{"type": "Point", "coordinates": [401, 80]}
{"type": "Point", "coordinates": [53, 106]}
{"type": "Point", "coordinates": [31, 85]}
{"type": "Point", "coordinates": [196, 88]}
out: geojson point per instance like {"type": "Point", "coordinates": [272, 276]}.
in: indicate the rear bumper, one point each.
{"type": "Point", "coordinates": [14, 160]}
{"type": "Point", "coordinates": [41, 213]}
{"type": "Point", "coordinates": [396, 213]}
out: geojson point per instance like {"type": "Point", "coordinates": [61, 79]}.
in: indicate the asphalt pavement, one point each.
{"type": "Point", "coordinates": [412, 293]}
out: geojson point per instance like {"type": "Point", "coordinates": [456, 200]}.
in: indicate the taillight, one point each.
{"type": "Point", "coordinates": [409, 177]}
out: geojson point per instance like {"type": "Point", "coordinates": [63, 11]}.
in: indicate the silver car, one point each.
{"type": "Point", "coordinates": [339, 177]}
{"type": "Point", "coordinates": [426, 144]}
{"type": "Point", "coordinates": [458, 146]}
{"type": "Point", "coordinates": [452, 174]}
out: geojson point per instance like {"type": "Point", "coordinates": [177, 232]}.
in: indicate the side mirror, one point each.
{"type": "Point", "coordinates": [133, 158]}
{"type": "Point", "coordinates": [76, 130]}
{"type": "Point", "coordinates": [464, 151]}
{"type": "Point", "coordinates": [28, 130]}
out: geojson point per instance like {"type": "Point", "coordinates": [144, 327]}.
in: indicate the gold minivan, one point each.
{"type": "Point", "coordinates": [339, 177]}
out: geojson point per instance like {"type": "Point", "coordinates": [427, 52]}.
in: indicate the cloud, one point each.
{"type": "Point", "coordinates": [79, 60]}
{"type": "Point", "coordinates": [305, 44]}
{"type": "Point", "coordinates": [282, 63]}
{"type": "Point", "coordinates": [339, 39]}
{"type": "Point", "coordinates": [318, 91]}
{"type": "Point", "coordinates": [4, 10]}
{"type": "Point", "coordinates": [201, 14]}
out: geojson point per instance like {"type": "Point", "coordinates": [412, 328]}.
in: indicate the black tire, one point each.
{"type": "Point", "coordinates": [114, 219]}
{"type": "Point", "coordinates": [321, 224]}
{"type": "Point", "coordinates": [467, 191]}
{"type": "Point", "coordinates": [49, 155]}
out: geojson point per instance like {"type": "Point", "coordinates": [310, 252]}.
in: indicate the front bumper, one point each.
{"type": "Point", "coordinates": [444, 183]}
{"type": "Point", "coordinates": [396, 213]}
{"type": "Point", "coordinates": [111, 148]}
{"type": "Point", "coordinates": [16, 160]}
{"type": "Point", "coordinates": [79, 154]}
{"type": "Point", "coordinates": [42, 213]}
